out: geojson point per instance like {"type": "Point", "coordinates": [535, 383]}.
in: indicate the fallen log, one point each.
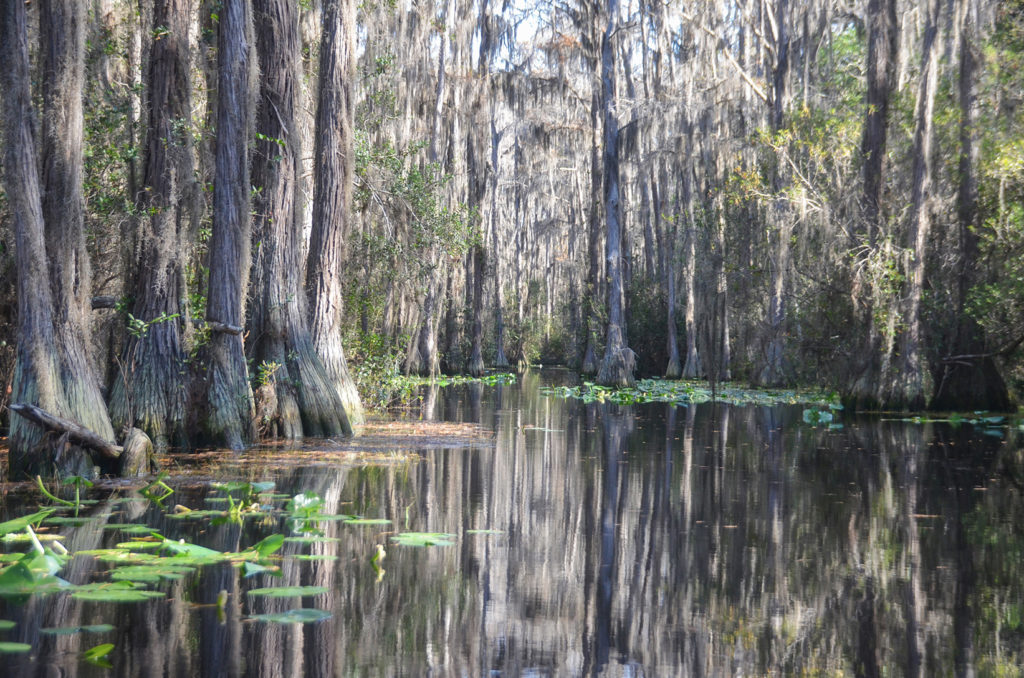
{"type": "Point", "coordinates": [77, 434]}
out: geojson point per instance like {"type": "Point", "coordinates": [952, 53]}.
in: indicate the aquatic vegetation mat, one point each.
{"type": "Point", "coordinates": [688, 392]}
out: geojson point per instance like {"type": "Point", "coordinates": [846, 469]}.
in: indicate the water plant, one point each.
{"type": "Point", "coordinates": [682, 392]}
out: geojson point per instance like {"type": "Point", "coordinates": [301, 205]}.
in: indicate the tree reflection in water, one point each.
{"type": "Point", "coordinates": [642, 540]}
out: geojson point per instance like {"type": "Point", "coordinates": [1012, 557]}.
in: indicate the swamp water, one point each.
{"type": "Point", "coordinates": [583, 539]}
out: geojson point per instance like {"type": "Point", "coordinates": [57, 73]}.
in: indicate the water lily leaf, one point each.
{"type": "Point", "coordinates": [306, 615]}
{"type": "Point", "coordinates": [289, 591]}
{"type": "Point", "coordinates": [151, 574]}
{"type": "Point", "coordinates": [485, 532]}
{"type": "Point", "coordinates": [24, 538]}
{"type": "Point", "coordinates": [328, 517]}
{"type": "Point", "coordinates": [11, 648]}
{"type": "Point", "coordinates": [184, 548]}
{"type": "Point", "coordinates": [98, 655]}
{"type": "Point", "coordinates": [71, 630]}
{"type": "Point", "coordinates": [367, 521]}
{"type": "Point", "coordinates": [140, 545]}
{"type": "Point", "coordinates": [195, 515]}
{"type": "Point", "coordinates": [266, 547]}
{"type": "Point", "coordinates": [249, 569]}
{"type": "Point", "coordinates": [19, 524]}
{"type": "Point", "coordinates": [423, 539]}
{"type": "Point", "coordinates": [116, 594]}
{"type": "Point", "coordinates": [130, 528]}
{"type": "Point", "coordinates": [311, 540]}
{"type": "Point", "coordinates": [7, 624]}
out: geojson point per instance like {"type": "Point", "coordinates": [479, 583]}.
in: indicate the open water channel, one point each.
{"type": "Point", "coordinates": [583, 539]}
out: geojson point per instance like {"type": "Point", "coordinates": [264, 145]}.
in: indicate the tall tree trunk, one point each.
{"type": "Point", "coordinates": [52, 365]}
{"type": "Point", "coordinates": [476, 271]}
{"type": "Point", "coordinates": [619, 360]}
{"type": "Point", "coordinates": [910, 385]}
{"type": "Point", "coordinates": [774, 368]}
{"type": "Point", "coordinates": [36, 371]}
{"type": "Point", "coordinates": [334, 169]}
{"type": "Point", "coordinates": [307, 401]}
{"type": "Point", "coordinates": [883, 33]}
{"type": "Point", "coordinates": [62, 28]}
{"type": "Point", "coordinates": [229, 408]}
{"type": "Point", "coordinates": [692, 368]}
{"type": "Point", "coordinates": [970, 378]}
{"type": "Point", "coordinates": [593, 297]}
{"type": "Point", "coordinates": [500, 359]}
{"type": "Point", "coordinates": [149, 391]}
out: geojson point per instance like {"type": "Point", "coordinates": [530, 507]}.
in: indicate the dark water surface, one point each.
{"type": "Point", "coordinates": [630, 541]}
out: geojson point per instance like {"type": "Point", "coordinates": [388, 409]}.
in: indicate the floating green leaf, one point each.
{"type": "Point", "coordinates": [485, 532]}
{"type": "Point", "coordinates": [306, 615]}
{"type": "Point", "coordinates": [116, 592]}
{"type": "Point", "coordinates": [289, 591]}
{"type": "Point", "coordinates": [129, 528]}
{"type": "Point", "coordinates": [71, 630]}
{"type": "Point", "coordinates": [11, 648]}
{"type": "Point", "coordinates": [98, 655]}
{"type": "Point", "coordinates": [117, 595]}
{"type": "Point", "coordinates": [424, 539]}
{"type": "Point", "coordinates": [7, 624]}
{"type": "Point", "coordinates": [151, 573]}
{"type": "Point", "coordinates": [249, 569]}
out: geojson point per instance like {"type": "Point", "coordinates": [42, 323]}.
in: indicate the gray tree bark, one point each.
{"type": "Point", "coordinates": [52, 366]}
{"type": "Point", "coordinates": [307, 401]}
{"type": "Point", "coordinates": [334, 169]}
{"type": "Point", "coordinates": [910, 385]}
{"type": "Point", "coordinates": [228, 403]}
{"type": "Point", "coordinates": [619, 361]}
{"type": "Point", "coordinates": [149, 392]}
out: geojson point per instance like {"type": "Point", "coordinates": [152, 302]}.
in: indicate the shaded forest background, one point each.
{"type": "Point", "coordinates": [826, 193]}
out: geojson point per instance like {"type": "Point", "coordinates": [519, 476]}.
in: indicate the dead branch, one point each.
{"type": "Point", "coordinates": [76, 433]}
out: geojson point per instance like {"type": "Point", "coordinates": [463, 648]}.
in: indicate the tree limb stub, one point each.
{"type": "Point", "coordinates": [104, 301]}
{"type": "Point", "coordinates": [77, 434]}
{"type": "Point", "coordinates": [223, 327]}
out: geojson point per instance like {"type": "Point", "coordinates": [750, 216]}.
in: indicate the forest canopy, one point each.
{"type": "Point", "coordinates": [222, 220]}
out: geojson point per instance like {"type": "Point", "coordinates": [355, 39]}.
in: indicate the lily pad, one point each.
{"type": "Point", "coordinates": [98, 655]}
{"type": "Point", "coordinates": [140, 545]}
{"type": "Point", "coordinates": [11, 648]}
{"type": "Point", "coordinates": [130, 528]}
{"type": "Point", "coordinates": [368, 521]}
{"type": "Point", "coordinates": [19, 524]}
{"type": "Point", "coordinates": [151, 573]}
{"type": "Point", "coordinates": [289, 591]}
{"type": "Point", "coordinates": [305, 615]}
{"type": "Point", "coordinates": [485, 532]}
{"type": "Point", "coordinates": [116, 592]}
{"type": "Point", "coordinates": [249, 569]}
{"type": "Point", "coordinates": [7, 624]}
{"type": "Point", "coordinates": [71, 630]}
{"type": "Point", "coordinates": [424, 539]}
